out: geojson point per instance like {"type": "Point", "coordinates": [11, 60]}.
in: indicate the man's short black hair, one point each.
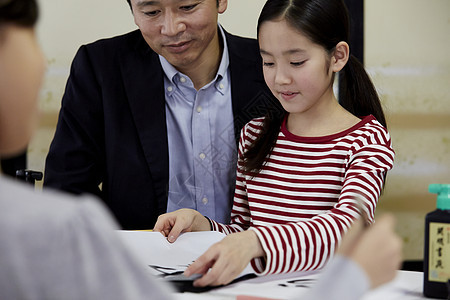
{"type": "Point", "coordinates": [129, 2]}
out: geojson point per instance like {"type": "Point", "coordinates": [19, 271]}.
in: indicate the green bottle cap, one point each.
{"type": "Point", "coordinates": [443, 192]}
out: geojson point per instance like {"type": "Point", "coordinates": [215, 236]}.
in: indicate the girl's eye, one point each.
{"type": "Point", "coordinates": [296, 64]}
{"type": "Point", "coordinates": [267, 64]}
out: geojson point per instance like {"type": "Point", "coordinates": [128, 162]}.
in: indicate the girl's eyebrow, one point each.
{"type": "Point", "coordinates": [294, 51]}
{"type": "Point", "coordinates": [290, 51]}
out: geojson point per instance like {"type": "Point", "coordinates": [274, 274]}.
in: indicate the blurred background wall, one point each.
{"type": "Point", "coordinates": [406, 53]}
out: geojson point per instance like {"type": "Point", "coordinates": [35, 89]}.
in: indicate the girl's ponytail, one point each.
{"type": "Point", "coordinates": [357, 93]}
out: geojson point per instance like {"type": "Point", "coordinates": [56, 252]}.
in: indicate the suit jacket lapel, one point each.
{"type": "Point", "coordinates": [143, 79]}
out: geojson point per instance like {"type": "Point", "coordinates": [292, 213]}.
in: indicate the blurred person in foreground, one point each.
{"type": "Point", "coordinates": [52, 246]}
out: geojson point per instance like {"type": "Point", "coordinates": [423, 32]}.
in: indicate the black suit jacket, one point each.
{"type": "Point", "coordinates": [112, 124]}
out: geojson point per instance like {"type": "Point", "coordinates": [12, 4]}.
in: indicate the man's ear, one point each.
{"type": "Point", "coordinates": [340, 56]}
{"type": "Point", "coordinates": [222, 6]}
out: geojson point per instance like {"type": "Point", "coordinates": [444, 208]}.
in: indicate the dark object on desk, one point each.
{"type": "Point", "coordinates": [412, 265]}
{"type": "Point", "coordinates": [299, 283]}
{"type": "Point", "coordinates": [185, 285]}
{"type": "Point", "coordinates": [29, 176]}
{"type": "Point", "coordinates": [436, 270]}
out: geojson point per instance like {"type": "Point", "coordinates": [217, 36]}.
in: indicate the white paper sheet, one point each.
{"type": "Point", "coordinates": [406, 286]}
{"type": "Point", "coordinates": [154, 250]}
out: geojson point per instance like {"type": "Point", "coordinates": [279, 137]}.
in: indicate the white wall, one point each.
{"type": "Point", "coordinates": [241, 16]}
{"type": "Point", "coordinates": [406, 52]}
{"type": "Point", "coordinates": [65, 25]}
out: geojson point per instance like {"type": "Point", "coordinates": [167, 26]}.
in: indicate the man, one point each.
{"type": "Point", "coordinates": [153, 116]}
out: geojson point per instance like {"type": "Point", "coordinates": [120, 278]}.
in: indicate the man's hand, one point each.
{"type": "Point", "coordinates": [171, 225]}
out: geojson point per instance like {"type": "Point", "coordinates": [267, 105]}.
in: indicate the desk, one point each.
{"type": "Point", "coordinates": [406, 286]}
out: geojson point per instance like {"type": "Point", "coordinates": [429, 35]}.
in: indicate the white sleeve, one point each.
{"type": "Point", "coordinates": [72, 252]}
{"type": "Point", "coordinates": [341, 279]}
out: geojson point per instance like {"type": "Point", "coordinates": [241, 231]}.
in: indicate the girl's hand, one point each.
{"type": "Point", "coordinates": [172, 224]}
{"type": "Point", "coordinates": [225, 260]}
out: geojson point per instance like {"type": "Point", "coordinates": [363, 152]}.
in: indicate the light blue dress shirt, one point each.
{"type": "Point", "coordinates": [202, 145]}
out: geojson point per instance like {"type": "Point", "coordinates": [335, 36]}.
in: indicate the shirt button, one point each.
{"type": "Point", "coordinates": [183, 79]}
{"type": "Point", "coordinates": [221, 86]}
{"type": "Point", "coordinates": [169, 89]}
{"type": "Point", "coordinates": [199, 109]}
{"type": "Point", "coordinates": [205, 200]}
{"type": "Point", "coordinates": [202, 156]}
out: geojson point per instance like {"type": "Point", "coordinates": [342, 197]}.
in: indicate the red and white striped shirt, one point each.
{"type": "Point", "coordinates": [303, 198]}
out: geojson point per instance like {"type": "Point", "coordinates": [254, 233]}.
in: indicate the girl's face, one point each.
{"type": "Point", "coordinates": [21, 72]}
{"type": "Point", "coordinates": [297, 71]}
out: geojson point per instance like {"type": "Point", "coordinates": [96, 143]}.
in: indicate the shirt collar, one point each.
{"type": "Point", "coordinates": [172, 73]}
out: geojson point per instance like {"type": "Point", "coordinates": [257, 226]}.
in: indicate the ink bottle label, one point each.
{"type": "Point", "coordinates": [439, 252]}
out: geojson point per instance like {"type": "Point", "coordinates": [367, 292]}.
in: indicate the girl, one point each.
{"type": "Point", "coordinates": [299, 175]}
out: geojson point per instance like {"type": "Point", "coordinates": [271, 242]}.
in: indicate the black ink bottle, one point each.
{"type": "Point", "coordinates": [436, 263]}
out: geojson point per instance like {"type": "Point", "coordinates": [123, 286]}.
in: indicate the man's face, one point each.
{"type": "Point", "coordinates": [183, 31]}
